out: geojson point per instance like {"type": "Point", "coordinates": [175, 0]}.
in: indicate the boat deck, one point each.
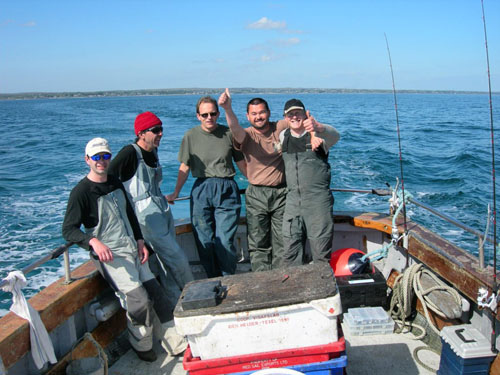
{"type": "Point", "coordinates": [376, 354]}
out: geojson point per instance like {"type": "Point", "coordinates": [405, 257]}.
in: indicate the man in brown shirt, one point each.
{"type": "Point", "coordinates": [266, 192]}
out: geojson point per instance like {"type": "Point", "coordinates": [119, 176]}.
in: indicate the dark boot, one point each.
{"type": "Point", "coordinates": [148, 355]}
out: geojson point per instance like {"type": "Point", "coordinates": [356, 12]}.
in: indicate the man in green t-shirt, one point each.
{"type": "Point", "coordinates": [207, 151]}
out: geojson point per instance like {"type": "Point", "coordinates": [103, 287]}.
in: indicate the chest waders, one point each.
{"type": "Point", "coordinates": [133, 282]}
{"type": "Point", "coordinates": [309, 203]}
{"type": "Point", "coordinates": [157, 226]}
{"type": "Point", "coordinates": [265, 207]}
{"type": "Point", "coordinates": [125, 273]}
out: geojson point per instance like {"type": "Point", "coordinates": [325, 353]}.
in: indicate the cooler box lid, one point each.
{"type": "Point", "coordinates": [466, 341]}
{"type": "Point", "coordinates": [262, 290]}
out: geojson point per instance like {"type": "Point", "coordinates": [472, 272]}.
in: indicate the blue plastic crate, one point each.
{"type": "Point", "coordinates": [450, 367]}
{"type": "Point", "coordinates": [465, 351]}
{"type": "Point", "coordinates": [332, 367]}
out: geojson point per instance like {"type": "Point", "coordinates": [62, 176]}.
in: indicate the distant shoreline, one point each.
{"type": "Point", "coordinates": [216, 91]}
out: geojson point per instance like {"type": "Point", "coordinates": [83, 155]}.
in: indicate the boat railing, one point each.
{"type": "Point", "coordinates": [481, 237]}
{"type": "Point", "coordinates": [64, 249]}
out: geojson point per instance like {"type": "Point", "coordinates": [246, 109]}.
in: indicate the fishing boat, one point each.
{"type": "Point", "coordinates": [84, 320]}
{"type": "Point", "coordinates": [434, 290]}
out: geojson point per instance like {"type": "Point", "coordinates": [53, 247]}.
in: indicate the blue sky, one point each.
{"type": "Point", "coordinates": [120, 45]}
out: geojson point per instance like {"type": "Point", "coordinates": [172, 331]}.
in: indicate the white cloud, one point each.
{"type": "Point", "coordinates": [266, 24]}
{"type": "Point", "coordinates": [289, 42]}
{"type": "Point", "coordinates": [293, 31]}
{"type": "Point", "coordinates": [30, 24]}
{"type": "Point", "coordinates": [265, 58]}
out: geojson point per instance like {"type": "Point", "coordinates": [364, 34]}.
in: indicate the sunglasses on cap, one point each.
{"type": "Point", "coordinates": [212, 114]}
{"type": "Point", "coordinates": [155, 130]}
{"type": "Point", "coordinates": [98, 157]}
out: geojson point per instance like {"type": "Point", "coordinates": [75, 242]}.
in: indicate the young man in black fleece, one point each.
{"type": "Point", "coordinates": [113, 236]}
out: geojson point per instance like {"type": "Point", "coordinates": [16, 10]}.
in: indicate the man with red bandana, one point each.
{"type": "Point", "coordinates": [138, 167]}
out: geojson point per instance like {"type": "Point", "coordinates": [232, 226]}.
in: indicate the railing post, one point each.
{"type": "Point", "coordinates": [481, 252]}
{"type": "Point", "coordinates": [67, 269]}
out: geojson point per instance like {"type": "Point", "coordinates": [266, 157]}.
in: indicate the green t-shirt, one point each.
{"type": "Point", "coordinates": [209, 154]}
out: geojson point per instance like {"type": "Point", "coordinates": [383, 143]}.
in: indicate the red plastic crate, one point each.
{"type": "Point", "coordinates": [254, 362]}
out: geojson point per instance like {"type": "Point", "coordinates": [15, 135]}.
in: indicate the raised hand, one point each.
{"type": "Point", "coordinates": [316, 142]}
{"type": "Point", "coordinates": [225, 99]}
{"type": "Point", "coordinates": [310, 123]}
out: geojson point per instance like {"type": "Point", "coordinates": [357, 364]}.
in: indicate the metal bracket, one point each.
{"type": "Point", "coordinates": [487, 300]}
{"type": "Point", "coordinates": [393, 200]}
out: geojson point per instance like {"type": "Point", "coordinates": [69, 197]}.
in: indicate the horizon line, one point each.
{"type": "Point", "coordinates": [235, 90]}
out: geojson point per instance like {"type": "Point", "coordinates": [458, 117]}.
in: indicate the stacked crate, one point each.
{"type": "Point", "coordinates": [363, 321]}
{"type": "Point", "coordinates": [465, 351]}
{"type": "Point", "coordinates": [255, 320]}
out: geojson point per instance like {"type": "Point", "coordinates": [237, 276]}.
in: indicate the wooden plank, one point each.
{"type": "Point", "coordinates": [55, 304]}
{"type": "Point", "coordinates": [376, 221]}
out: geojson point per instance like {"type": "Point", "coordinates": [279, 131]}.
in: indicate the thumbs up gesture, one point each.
{"type": "Point", "coordinates": [225, 99]}
{"type": "Point", "coordinates": [310, 123]}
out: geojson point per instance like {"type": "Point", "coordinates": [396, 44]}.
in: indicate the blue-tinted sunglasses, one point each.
{"type": "Point", "coordinates": [103, 156]}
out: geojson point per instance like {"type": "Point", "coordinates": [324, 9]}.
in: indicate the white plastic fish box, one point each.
{"type": "Point", "coordinates": [361, 321]}
{"type": "Point", "coordinates": [465, 351]}
{"type": "Point", "coordinates": [261, 311]}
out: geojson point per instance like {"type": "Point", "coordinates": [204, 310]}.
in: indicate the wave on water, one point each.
{"type": "Point", "coordinates": [445, 149]}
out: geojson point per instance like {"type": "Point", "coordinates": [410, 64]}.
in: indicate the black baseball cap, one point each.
{"type": "Point", "coordinates": [293, 104]}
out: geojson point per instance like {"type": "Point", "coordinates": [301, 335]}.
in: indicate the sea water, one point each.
{"type": "Point", "coordinates": [445, 144]}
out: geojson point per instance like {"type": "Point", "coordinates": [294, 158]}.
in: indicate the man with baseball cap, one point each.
{"type": "Point", "coordinates": [113, 236]}
{"type": "Point", "coordinates": [309, 203]}
{"type": "Point", "coordinates": [138, 167]}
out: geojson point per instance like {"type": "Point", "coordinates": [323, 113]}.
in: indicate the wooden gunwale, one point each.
{"type": "Point", "coordinates": [55, 304]}
{"type": "Point", "coordinates": [450, 262]}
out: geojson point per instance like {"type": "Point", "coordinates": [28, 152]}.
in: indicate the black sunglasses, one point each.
{"type": "Point", "coordinates": [212, 114]}
{"type": "Point", "coordinates": [155, 130]}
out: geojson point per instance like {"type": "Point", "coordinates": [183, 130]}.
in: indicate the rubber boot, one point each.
{"type": "Point", "coordinates": [170, 340]}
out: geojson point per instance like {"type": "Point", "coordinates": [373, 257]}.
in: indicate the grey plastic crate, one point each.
{"type": "Point", "coordinates": [368, 321]}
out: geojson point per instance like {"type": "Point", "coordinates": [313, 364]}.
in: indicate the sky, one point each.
{"type": "Point", "coordinates": [89, 45]}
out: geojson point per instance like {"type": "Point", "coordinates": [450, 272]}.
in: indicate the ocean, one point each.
{"type": "Point", "coordinates": [445, 140]}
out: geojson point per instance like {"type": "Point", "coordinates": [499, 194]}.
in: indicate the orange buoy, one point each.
{"type": "Point", "coordinates": [347, 261]}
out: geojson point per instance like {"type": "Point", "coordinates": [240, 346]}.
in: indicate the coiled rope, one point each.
{"type": "Point", "coordinates": [406, 286]}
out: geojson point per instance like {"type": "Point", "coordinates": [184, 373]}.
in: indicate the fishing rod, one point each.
{"type": "Point", "coordinates": [492, 150]}
{"type": "Point", "coordinates": [399, 144]}
{"type": "Point", "coordinates": [495, 286]}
